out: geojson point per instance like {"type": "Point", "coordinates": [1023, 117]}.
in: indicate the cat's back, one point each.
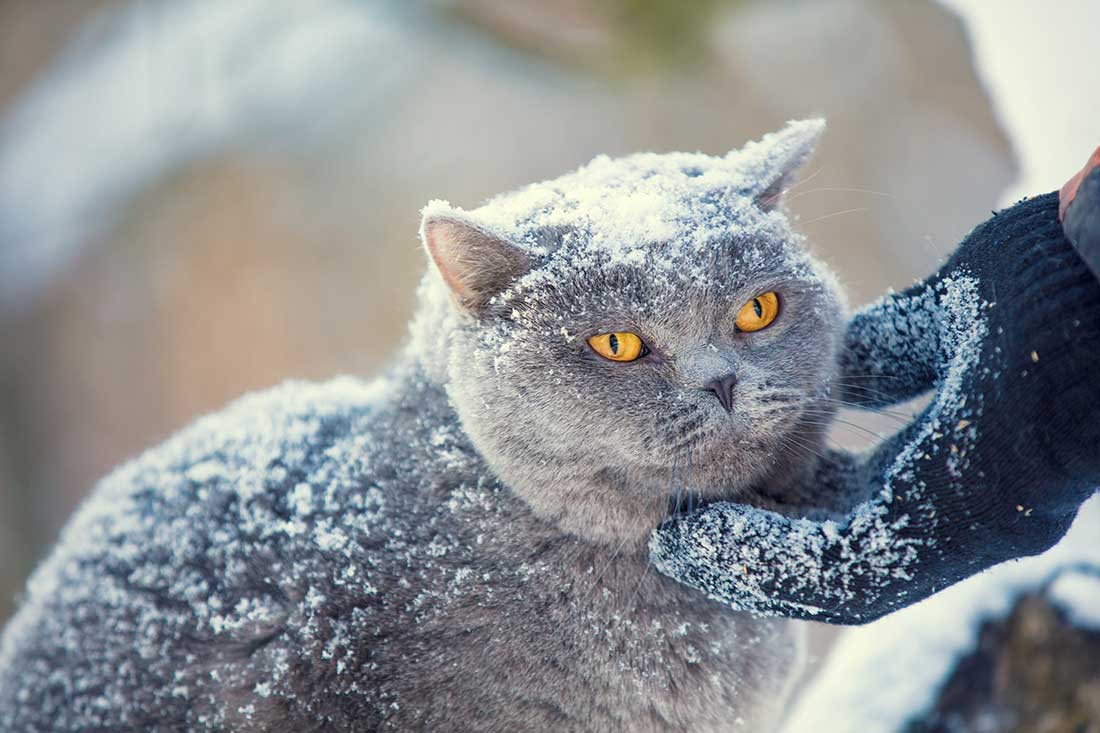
{"type": "Point", "coordinates": [177, 588]}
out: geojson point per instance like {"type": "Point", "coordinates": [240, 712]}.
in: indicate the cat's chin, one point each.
{"type": "Point", "coordinates": [721, 469]}
{"type": "Point", "coordinates": [619, 503]}
{"type": "Point", "coordinates": [729, 470]}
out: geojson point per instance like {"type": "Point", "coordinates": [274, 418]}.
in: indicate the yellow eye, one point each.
{"type": "Point", "coordinates": [758, 312]}
{"type": "Point", "coordinates": [618, 346]}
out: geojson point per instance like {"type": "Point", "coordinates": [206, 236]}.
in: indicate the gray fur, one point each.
{"type": "Point", "coordinates": [462, 545]}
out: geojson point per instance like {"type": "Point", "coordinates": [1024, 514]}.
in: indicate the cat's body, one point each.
{"type": "Point", "coordinates": [462, 545]}
{"type": "Point", "coordinates": [403, 587]}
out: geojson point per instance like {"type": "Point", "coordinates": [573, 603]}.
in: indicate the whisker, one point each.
{"type": "Point", "coordinates": [674, 491]}
{"type": "Point", "coordinates": [864, 384]}
{"type": "Point", "coordinates": [842, 190]}
{"type": "Point", "coordinates": [900, 417]}
{"type": "Point", "coordinates": [868, 393]}
{"type": "Point", "coordinates": [595, 590]}
{"type": "Point", "coordinates": [865, 408]}
{"type": "Point", "coordinates": [829, 419]}
{"type": "Point", "coordinates": [798, 444]}
{"type": "Point", "coordinates": [850, 426]}
{"type": "Point", "coordinates": [805, 180]}
{"type": "Point", "coordinates": [679, 492]}
{"type": "Point", "coordinates": [687, 480]}
{"type": "Point", "coordinates": [835, 213]}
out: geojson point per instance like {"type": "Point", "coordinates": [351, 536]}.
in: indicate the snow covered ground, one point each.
{"type": "Point", "coordinates": [1039, 61]}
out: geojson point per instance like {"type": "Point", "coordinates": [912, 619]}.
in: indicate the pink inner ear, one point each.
{"type": "Point", "coordinates": [770, 197]}
{"type": "Point", "coordinates": [474, 264]}
{"type": "Point", "coordinates": [440, 238]}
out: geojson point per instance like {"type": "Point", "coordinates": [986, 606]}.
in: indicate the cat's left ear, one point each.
{"type": "Point", "coordinates": [780, 155]}
{"type": "Point", "coordinates": [474, 263]}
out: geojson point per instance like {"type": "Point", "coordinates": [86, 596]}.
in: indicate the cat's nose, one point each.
{"type": "Point", "coordinates": [722, 388]}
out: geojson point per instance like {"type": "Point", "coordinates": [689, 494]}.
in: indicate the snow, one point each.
{"type": "Point", "coordinates": [92, 131]}
{"type": "Point", "coordinates": [55, 178]}
{"type": "Point", "coordinates": [155, 522]}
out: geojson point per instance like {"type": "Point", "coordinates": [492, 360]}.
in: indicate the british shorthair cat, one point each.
{"type": "Point", "coordinates": [461, 544]}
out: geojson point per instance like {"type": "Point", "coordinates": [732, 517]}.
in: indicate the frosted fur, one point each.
{"type": "Point", "coordinates": [462, 544]}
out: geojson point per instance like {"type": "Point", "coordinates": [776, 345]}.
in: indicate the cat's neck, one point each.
{"type": "Point", "coordinates": [598, 506]}
{"type": "Point", "coordinates": [605, 510]}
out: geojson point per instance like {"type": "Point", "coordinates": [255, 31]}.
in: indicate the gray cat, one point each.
{"type": "Point", "coordinates": [461, 545]}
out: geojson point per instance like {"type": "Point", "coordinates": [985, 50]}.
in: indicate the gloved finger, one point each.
{"type": "Point", "coordinates": [727, 552]}
{"type": "Point", "coordinates": [760, 561]}
{"type": "Point", "coordinates": [891, 349]}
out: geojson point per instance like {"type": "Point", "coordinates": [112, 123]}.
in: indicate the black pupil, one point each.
{"type": "Point", "coordinates": [756, 307]}
{"type": "Point", "coordinates": [614, 342]}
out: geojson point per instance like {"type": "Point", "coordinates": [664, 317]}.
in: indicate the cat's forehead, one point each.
{"type": "Point", "coordinates": [626, 205]}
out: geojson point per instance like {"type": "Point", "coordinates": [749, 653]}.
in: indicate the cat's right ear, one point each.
{"type": "Point", "coordinates": [476, 265]}
{"type": "Point", "coordinates": [777, 157]}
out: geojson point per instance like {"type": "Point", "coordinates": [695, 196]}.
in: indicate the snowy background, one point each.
{"type": "Point", "coordinates": [202, 198]}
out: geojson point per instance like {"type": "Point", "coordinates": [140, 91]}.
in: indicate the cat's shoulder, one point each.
{"type": "Point", "coordinates": [282, 429]}
{"type": "Point", "coordinates": [252, 453]}
{"type": "Point", "coordinates": [188, 539]}
{"type": "Point", "coordinates": [274, 424]}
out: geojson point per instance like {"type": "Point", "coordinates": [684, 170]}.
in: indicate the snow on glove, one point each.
{"type": "Point", "coordinates": [1008, 335]}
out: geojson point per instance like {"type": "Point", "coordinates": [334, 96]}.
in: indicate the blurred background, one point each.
{"type": "Point", "coordinates": [203, 198]}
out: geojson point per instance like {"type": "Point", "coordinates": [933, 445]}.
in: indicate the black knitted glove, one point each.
{"type": "Point", "coordinates": [1008, 335]}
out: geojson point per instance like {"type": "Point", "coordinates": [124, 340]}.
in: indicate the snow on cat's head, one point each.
{"type": "Point", "coordinates": [638, 324]}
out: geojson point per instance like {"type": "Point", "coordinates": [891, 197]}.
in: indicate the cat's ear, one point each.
{"type": "Point", "coordinates": [780, 155]}
{"type": "Point", "coordinates": [475, 264]}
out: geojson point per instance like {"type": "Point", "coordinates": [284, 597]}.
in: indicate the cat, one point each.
{"type": "Point", "coordinates": [461, 544]}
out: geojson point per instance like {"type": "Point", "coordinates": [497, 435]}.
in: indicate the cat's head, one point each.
{"type": "Point", "coordinates": [638, 326]}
